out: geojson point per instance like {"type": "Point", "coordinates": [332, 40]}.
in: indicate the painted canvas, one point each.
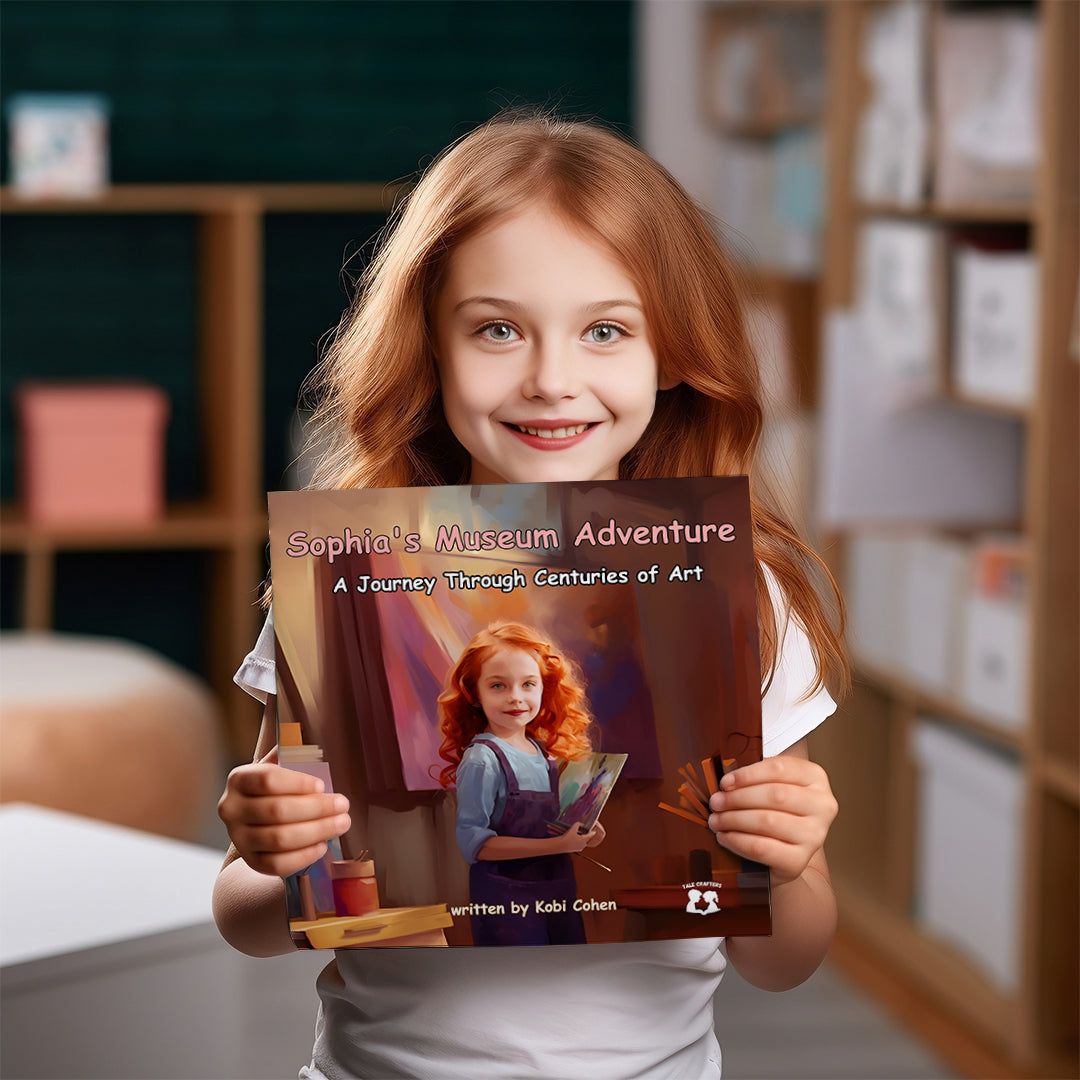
{"type": "Point", "coordinates": [510, 683]}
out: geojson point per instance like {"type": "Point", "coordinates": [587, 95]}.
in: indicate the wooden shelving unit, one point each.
{"type": "Point", "coordinates": [230, 524]}
{"type": "Point", "coordinates": [1032, 1031]}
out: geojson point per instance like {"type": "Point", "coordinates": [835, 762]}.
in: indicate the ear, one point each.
{"type": "Point", "coordinates": [667, 382]}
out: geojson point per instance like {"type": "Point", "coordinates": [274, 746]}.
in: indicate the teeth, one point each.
{"type": "Point", "coordinates": [553, 433]}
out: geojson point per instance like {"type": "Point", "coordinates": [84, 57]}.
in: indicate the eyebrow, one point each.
{"type": "Point", "coordinates": [513, 305]}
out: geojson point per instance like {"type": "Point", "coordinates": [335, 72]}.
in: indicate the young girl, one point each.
{"type": "Point", "coordinates": [512, 700]}
{"type": "Point", "coordinates": [551, 305]}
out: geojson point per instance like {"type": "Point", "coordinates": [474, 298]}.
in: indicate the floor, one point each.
{"type": "Point", "coordinates": [823, 1030]}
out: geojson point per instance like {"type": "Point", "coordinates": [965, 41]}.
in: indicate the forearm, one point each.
{"type": "Point", "coordinates": [249, 909]}
{"type": "Point", "coordinates": [803, 924]}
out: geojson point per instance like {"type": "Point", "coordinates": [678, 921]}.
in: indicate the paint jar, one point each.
{"type": "Point", "coordinates": [355, 891]}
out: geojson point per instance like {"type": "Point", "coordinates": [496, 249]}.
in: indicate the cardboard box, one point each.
{"type": "Point", "coordinates": [969, 861]}
{"type": "Point", "coordinates": [92, 454]}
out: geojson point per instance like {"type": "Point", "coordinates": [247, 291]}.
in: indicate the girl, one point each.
{"type": "Point", "coordinates": [549, 305]}
{"type": "Point", "coordinates": [512, 700]}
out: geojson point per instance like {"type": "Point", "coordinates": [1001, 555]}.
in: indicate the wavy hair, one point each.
{"type": "Point", "coordinates": [563, 722]}
{"type": "Point", "coordinates": [377, 388]}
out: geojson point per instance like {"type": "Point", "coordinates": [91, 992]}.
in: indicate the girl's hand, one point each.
{"type": "Point", "coordinates": [777, 811]}
{"type": "Point", "coordinates": [598, 833]}
{"type": "Point", "coordinates": [279, 820]}
{"type": "Point", "coordinates": [573, 841]}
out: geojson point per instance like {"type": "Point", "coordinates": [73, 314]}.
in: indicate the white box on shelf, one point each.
{"type": "Point", "coordinates": [969, 862]}
{"type": "Point", "coordinates": [994, 678]}
{"type": "Point", "coordinates": [901, 274]}
{"type": "Point", "coordinates": [986, 80]}
{"type": "Point", "coordinates": [893, 133]}
{"type": "Point", "coordinates": [59, 144]}
{"type": "Point", "coordinates": [995, 659]}
{"type": "Point", "coordinates": [874, 597]}
{"type": "Point", "coordinates": [935, 574]}
{"type": "Point", "coordinates": [995, 334]}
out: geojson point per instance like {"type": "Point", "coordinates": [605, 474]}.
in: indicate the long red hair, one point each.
{"type": "Point", "coordinates": [378, 388]}
{"type": "Point", "coordinates": [562, 724]}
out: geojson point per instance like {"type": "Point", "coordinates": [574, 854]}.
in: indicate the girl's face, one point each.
{"type": "Point", "coordinates": [544, 356]}
{"type": "Point", "coordinates": [510, 692]}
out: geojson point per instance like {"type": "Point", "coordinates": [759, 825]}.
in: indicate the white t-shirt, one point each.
{"type": "Point", "coordinates": [639, 1009]}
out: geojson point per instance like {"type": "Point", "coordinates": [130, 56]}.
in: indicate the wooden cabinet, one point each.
{"type": "Point", "coordinates": [1031, 1030]}
{"type": "Point", "coordinates": [228, 524]}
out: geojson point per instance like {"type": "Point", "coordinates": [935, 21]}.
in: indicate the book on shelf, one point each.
{"type": "Point", "coordinates": [491, 671]}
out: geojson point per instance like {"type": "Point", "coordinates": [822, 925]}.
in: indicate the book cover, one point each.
{"type": "Point", "coordinates": [634, 606]}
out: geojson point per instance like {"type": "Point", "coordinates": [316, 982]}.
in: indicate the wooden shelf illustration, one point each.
{"type": "Point", "coordinates": [386, 926]}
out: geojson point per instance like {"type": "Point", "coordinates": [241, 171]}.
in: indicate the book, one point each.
{"type": "Point", "coordinates": [643, 591]}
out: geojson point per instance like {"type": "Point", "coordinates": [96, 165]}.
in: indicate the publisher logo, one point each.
{"type": "Point", "coordinates": [702, 897]}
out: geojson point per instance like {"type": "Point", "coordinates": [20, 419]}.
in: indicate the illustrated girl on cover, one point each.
{"type": "Point", "coordinates": [512, 705]}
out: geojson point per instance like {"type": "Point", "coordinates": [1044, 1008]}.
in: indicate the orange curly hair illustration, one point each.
{"type": "Point", "coordinates": [563, 722]}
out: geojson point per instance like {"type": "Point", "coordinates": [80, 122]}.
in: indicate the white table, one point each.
{"type": "Point", "coordinates": [112, 966]}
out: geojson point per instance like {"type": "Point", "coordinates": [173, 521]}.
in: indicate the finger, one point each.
{"type": "Point", "coordinates": [782, 768]}
{"type": "Point", "coordinates": [279, 839]}
{"type": "Point", "coordinates": [270, 779]}
{"type": "Point", "coordinates": [789, 798]}
{"type": "Point", "coordinates": [282, 864]}
{"type": "Point", "coordinates": [787, 860]}
{"type": "Point", "coordinates": [769, 824]}
{"type": "Point", "coordinates": [288, 809]}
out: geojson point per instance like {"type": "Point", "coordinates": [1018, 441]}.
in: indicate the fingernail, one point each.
{"type": "Point", "coordinates": [727, 783]}
{"type": "Point", "coordinates": [341, 804]}
{"type": "Point", "coordinates": [320, 787]}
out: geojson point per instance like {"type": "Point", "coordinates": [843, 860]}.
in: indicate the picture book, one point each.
{"type": "Point", "coordinates": [528, 693]}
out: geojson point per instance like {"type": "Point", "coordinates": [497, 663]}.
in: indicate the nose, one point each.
{"type": "Point", "coordinates": [554, 373]}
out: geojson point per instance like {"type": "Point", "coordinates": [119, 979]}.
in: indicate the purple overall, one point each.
{"type": "Point", "coordinates": [544, 880]}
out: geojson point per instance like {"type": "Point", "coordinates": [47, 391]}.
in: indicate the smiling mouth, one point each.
{"type": "Point", "coordinates": [552, 433]}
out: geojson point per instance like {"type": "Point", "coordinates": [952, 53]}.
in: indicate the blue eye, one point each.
{"type": "Point", "coordinates": [604, 333]}
{"type": "Point", "coordinates": [498, 331]}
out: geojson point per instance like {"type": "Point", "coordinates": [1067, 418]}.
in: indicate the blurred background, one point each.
{"type": "Point", "coordinates": [191, 190]}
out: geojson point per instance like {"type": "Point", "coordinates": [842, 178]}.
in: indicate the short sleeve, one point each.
{"type": "Point", "coordinates": [477, 783]}
{"type": "Point", "coordinates": [258, 674]}
{"type": "Point", "coordinates": [787, 713]}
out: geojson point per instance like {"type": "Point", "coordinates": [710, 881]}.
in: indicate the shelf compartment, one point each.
{"type": "Point", "coordinates": [184, 526]}
{"type": "Point", "coordinates": [948, 707]}
{"type": "Point", "coordinates": [857, 750]}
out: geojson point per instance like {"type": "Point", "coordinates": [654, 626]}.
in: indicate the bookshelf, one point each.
{"type": "Point", "coordinates": [1030, 1029]}
{"type": "Point", "coordinates": [228, 524]}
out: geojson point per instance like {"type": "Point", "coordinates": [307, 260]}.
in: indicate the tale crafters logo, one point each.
{"type": "Point", "coordinates": [702, 897]}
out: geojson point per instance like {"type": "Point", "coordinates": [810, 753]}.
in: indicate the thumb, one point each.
{"type": "Point", "coordinates": [271, 758]}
